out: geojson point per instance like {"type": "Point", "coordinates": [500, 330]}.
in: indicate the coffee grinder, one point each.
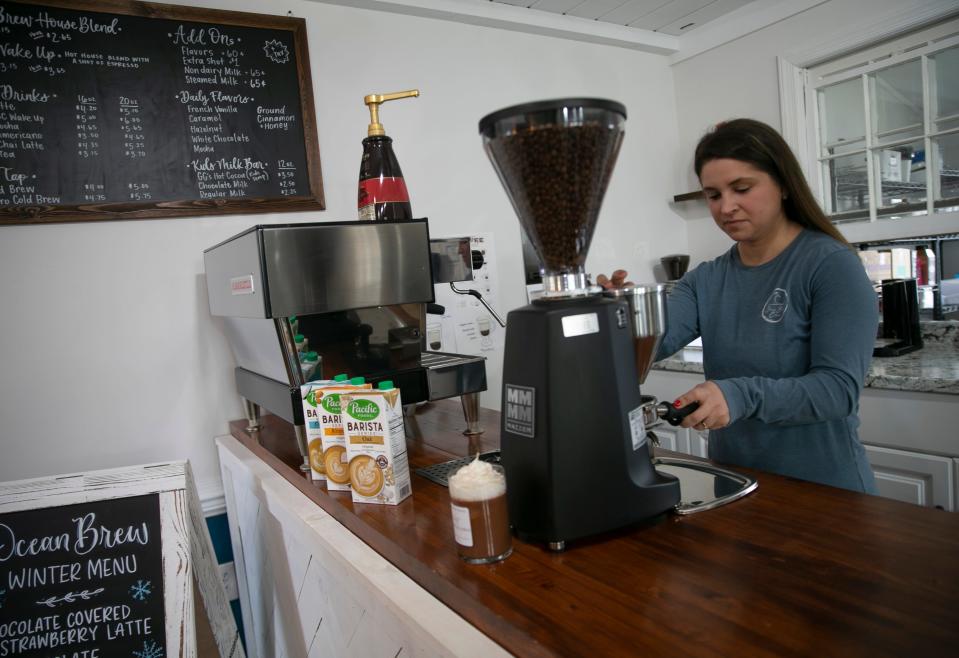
{"type": "Point", "coordinates": [574, 444]}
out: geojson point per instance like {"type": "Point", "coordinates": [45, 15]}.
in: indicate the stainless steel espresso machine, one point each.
{"type": "Point", "coordinates": [354, 293]}
{"type": "Point", "coordinates": [574, 425]}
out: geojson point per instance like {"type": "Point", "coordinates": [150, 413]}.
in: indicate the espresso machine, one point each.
{"type": "Point", "coordinates": [574, 442]}
{"type": "Point", "coordinates": [355, 294]}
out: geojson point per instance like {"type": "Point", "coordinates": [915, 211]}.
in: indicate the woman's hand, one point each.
{"type": "Point", "coordinates": [618, 280]}
{"type": "Point", "coordinates": [713, 413]}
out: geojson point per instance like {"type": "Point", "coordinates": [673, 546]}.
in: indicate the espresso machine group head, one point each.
{"type": "Point", "coordinates": [574, 444]}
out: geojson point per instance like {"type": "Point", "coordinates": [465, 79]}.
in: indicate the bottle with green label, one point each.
{"type": "Point", "coordinates": [301, 343]}
{"type": "Point", "coordinates": [308, 363]}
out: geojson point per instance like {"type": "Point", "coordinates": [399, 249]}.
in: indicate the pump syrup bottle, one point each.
{"type": "Point", "coordinates": [382, 190]}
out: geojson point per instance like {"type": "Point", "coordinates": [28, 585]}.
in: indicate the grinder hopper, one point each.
{"type": "Point", "coordinates": [555, 158]}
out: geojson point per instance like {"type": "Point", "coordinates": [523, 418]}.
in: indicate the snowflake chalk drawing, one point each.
{"type": "Point", "coordinates": [150, 650]}
{"type": "Point", "coordinates": [141, 591]}
{"type": "Point", "coordinates": [276, 51]}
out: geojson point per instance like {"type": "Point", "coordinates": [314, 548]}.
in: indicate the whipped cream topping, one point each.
{"type": "Point", "coordinates": [478, 480]}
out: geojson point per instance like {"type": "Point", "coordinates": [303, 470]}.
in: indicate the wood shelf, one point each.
{"type": "Point", "coordinates": [689, 196]}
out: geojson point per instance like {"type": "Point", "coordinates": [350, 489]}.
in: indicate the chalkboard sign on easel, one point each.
{"type": "Point", "coordinates": [104, 563]}
{"type": "Point", "coordinates": [117, 109]}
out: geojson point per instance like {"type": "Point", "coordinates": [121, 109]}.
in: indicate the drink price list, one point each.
{"type": "Point", "coordinates": [117, 113]}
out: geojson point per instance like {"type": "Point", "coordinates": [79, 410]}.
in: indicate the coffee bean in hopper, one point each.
{"type": "Point", "coordinates": [557, 176]}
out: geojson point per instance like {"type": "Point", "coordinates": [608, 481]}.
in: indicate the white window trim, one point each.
{"type": "Point", "coordinates": [796, 96]}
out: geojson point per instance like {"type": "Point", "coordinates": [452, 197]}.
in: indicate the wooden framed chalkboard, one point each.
{"type": "Point", "coordinates": [108, 563]}
{"type": "Point", "coordinates": [116, 109]}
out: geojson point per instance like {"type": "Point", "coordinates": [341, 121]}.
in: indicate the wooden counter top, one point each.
{"type": "Point", "coordinates": [793, 569]}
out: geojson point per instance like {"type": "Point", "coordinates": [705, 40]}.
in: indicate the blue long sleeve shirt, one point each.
{"type": "Point", "coordinates": [789, 343]}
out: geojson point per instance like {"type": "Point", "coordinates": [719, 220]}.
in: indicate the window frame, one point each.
{"type": "Point", "coordinates": [916, 47]}
{"type": "Point", "coordinates": [900, 28]}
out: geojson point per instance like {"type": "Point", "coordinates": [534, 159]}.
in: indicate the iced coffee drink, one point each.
{"type": "Point", "coordinates": [480, 516]}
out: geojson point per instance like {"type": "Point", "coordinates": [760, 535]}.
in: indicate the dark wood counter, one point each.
{"type": "Point", "coordinates": [793, 569]}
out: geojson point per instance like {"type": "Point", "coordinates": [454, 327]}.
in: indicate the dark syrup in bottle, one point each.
{"type": "Point", "coordinates": [382, 193]}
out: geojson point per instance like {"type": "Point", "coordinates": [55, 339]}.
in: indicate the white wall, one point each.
{"type": "Point", "coordinates": [741, 79]}
{"type": "Point", "coordinates": [109, 355]}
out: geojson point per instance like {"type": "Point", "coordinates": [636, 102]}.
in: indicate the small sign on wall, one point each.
{"type": "Point", "coordinates": [103, 564]}
{"type": "Point", "coordinates": [467, 327]}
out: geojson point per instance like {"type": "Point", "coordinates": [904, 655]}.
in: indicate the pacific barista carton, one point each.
{"type": "Point", "coordinates": [376, 445]}
{"type": "Point", "coordinates": [324, 427]}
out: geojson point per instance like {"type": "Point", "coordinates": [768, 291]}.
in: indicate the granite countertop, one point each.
{"type": "Point", "coordinates": [932, 369]}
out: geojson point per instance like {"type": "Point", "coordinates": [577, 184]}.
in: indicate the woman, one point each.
{"type": "Point", "coordinates": [787, 316]}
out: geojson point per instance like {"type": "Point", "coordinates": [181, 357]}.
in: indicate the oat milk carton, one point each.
{"type": "Point", "coordinates": [336, 465]}
{"type": "Point", "coordinates": [376, 445]}
{"type": "Point", "coordinates": [313, 415]}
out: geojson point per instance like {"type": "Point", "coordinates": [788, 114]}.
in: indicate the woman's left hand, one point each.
{"type": "Point", "coordinates": [713, 413]}
{"type": "Point", "coordinates": [617, 281]}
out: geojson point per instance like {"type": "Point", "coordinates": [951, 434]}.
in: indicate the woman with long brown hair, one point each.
{"type": "Point", "coordinates": [787, 316]}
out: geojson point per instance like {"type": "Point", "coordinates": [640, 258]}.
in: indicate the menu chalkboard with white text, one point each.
{"type": "Point", "coordinates": [115, 109]}
{"type": "Point", "coordinates": [110, 563]}
{"type": "Point", "coordinates": [84, 576]}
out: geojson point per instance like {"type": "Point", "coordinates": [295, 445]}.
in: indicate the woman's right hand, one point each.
{"type": "Point", "coordinates": [618, 280]}
{"type": "Point", "coordinates": [713, 412]}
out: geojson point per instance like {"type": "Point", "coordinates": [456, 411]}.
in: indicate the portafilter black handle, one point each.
{"type": "Point", "coordinates": [675, 416]}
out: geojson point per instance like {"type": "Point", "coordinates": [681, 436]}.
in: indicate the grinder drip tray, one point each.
{"type": "Point", "coordinates": [702, 486]}
{"type": "Point", "coordinates": [440, 473]}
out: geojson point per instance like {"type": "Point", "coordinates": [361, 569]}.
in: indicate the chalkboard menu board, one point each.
{"type": "Point", "coordinates": [77, 578]}
{"type": "Point", "coordinates": [114, 109]}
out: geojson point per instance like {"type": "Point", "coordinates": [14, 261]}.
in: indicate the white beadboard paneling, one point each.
{"type": "Point", "coordinates": [594, 8]}
{"type": "Point", "coordinates": [351, 602]}
{"type": "Point", "coordinates": [630, 11]}
{"type": "Point", "coordinates": [753, 17]}
{"type": "Point", "coordinates": [177, 568]}
{"type": "Point", "coordinates": [701, 16]}
{"type": "Point", "coordinates": [555, 6]}
{"type": "Point", "coordinates": [312, 601]}
{"type": "Point", "coordinates": [668, 13]}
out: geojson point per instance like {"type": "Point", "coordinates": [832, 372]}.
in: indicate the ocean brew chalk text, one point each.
{"type": "Point", "coordinates": [86, 536]}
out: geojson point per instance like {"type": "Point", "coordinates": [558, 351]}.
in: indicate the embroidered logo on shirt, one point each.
{"type": "Point", "coordinates": [774, 310]}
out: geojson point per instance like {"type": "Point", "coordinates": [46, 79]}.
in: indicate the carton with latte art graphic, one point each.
{"type": "Point", "coordinates": [376, 445]}
{"type": "Point", "coordinates": [324, 430]}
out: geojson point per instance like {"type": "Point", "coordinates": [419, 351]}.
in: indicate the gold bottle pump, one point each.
{"type": "Point", "coordinates": [382, 193]}
{"type": "Point", "coordinates": [373, 102]}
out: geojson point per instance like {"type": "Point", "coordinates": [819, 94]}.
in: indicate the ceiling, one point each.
{"type": "Point", "coordinates": [679, 29]}
{"type": "Point", "coordinates": [674, 17]}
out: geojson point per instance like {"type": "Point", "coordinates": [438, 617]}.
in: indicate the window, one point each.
{"type": "Point", "coordinates": [885, 128]}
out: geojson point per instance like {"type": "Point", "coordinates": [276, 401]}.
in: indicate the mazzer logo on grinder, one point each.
{"type": "Point", "coordinates": [521, 410]}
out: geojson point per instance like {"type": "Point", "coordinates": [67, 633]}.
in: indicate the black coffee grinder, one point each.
{"type": "Point", "coordinates": [574, 443]}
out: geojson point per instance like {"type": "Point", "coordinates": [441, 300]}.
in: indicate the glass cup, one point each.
{"type": "Point", "coordinates": [484, 325]}
{"type": "Point", "coordinates": [480, 515]}
{"type": "Point", "coordinates": [434, 336]}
